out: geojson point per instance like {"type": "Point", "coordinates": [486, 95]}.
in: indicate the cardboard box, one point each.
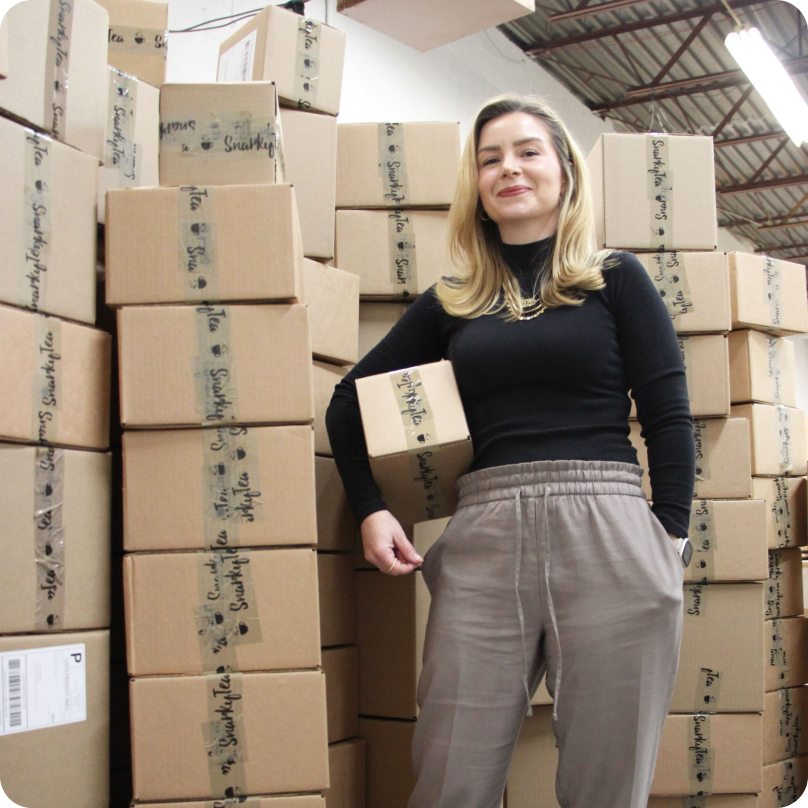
{"type": "Point", "coordinates": [694, 287]}
{"type": "Point", "coordinates": [57, 79]}
{"type": "Point", "coordinates": [786, 499]}
{"type": "Point", "coordinates": [706, 360]}
{"type": "Point", "coordinates": [417, 439]}
{"type": "Point", "coordinates": [333, 300]}
{"type": "Point", "coordinates": [336, 529]}
{"type": "Point", "coordinates": [761, 369]}
{"type": "Point", "coordinates": [65, 765]}
{"type": "Point", "coordinates": [723, 458]}
{"type": "Point", "coordinates": [787, 656]}
{"type": "Point", "coordinates": [337, 599]}
{"type": "Point", "coordinates": [137, 38]}
{"type": "Point", "coordinates": [192, 489]}
{"type": "Point", "coordinates": [56, 387]}
{"type": "Point", "coordinates": [325, 378]}
{"type": "Point", "coordinates": [721, 662]}
{"type": "Point", "coordinates": [389, 779]}
{"type": "Point", "coordinates": [302, 56]}
{"type": "Point", "coordinates": [784, 596]}
{"type": "Point", "coordinates": [375, 322]}
{"type": "Point", "coordinates": [346, 764]}
{"type": "Point", "coordinates": [685, 763]}
{"type": "Point", "coordinates": [310, 164]}
{"type": "Point", "coordinates": [639, 205]}
{"type": "Point", "coordinates": [56, 547]}
{"type": "Point", "coordinates": [396, 253]}
{"type": "Point", "coordinates": [532, 776]}
{"type": "Point", "coordinates": [727, 539]}
{"type": "Point", "coordinates": [341, 666]}
{"type": "Point", "coordinates": [3, 49]}
{"type": "Point", "coordinates": [424, 25]}
{"type": "Point", "coordinates": [280, 730]}
{"type": "Point", "coordinates": [208, 365]}
{"type": "Point", "coordinates": [710, 801]}
{"type": "Point", "coordinates": [220, 134]}
{"type": "Point", "coordinates": [48, 260]}
{"type": "Point", "coordinates": [778, 439]}
{"type": "Point", "coordinates": [767, 294]}
{"type": "Point", "coordinates": [783, 783]}
{"type": "Point", "coordinates": [132, 143]}
{"type": "Point", "coordinates": [239, 610]}
{"type": "Point", "coordinates": [397, 165]}
{"type": "Point", "coordinates": [278, 801]}
{"type": "Point", "coordinates": [177, 245]}
{"type": "Point", "coordinates": [784, 721]}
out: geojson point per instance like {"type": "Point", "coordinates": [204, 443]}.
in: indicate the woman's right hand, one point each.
{"type": "Point", "coordinates": [386, 544]}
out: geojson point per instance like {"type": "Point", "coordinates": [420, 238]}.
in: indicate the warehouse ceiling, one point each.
{"type": "Point", "coordinates": [662, 66]}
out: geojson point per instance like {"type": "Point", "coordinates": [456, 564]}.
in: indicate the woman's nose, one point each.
{"type": "Point", "coordinates": [509, 165]}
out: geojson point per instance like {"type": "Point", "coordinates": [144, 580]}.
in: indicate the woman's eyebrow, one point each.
{"type": "Point", "coordinates": [520, 142]}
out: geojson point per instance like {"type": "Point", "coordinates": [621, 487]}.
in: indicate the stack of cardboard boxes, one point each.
{"type": "Point", "coordinates": [54, 412]}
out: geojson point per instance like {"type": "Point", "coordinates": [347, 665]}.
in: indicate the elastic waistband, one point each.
{"type": "Point", "coordinates": [563, 477]}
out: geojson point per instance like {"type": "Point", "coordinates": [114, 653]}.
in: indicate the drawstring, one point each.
{"type": "Point", "coordinates": [517, 570]}
{"type": "Point", "coordinates": [557, 693]}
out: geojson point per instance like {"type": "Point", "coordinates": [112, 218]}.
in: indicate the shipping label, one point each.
{"type": "Point", "coordinates": [659, 189]}
{"type": "Point", "coordinates": [197, 248]}
{"type": "Point", "coordinates": [37, 225]}
{"type": "Point", "coordinates": [781, 510]}
{"type": "Point", "coordinates": [784, 438]}
{"type": "Point", "coordinates": [402, 253]}
{"type": "Point", "coordinates": [47, 379]}
{"type": "Point", "coordinates": [670, 278]}
{"type": "Point", "coordinates": [147, 41]}
{"type": "Point", "coordinates": [392, 163]}
{"type": "Point", "coordinates": [213, 366]}
{"type": "Point", "coordinates": [307, 62]}
{"type": "Point", "coordinates": [42, 687]}
{"type": "Point", "coordinates": [701, 755]}
{"type": "Point", "coordinates": [223, 735]}
{"type": "Point", "coordinates": [49, 538]}
{"type": "Point", "coordinates": [773, 291]}
{"type": "Point", "coordinates": [236, 64]}
{"type": "Point", "coordinates": [222, 136]}
{"type": "Point", "coordinates": [773, 356]}
{"type": "Point", "coordinates": [708, 689]}
{"type": "Point", "coordinates": [120, 149]}
{"type": "Point", "coordinates": [703, 538]}
{"type": "Point", "coordinates": [57, 65]}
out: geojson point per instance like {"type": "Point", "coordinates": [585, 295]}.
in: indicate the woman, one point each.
{"type": "Point", "coordinates": [553, 563]}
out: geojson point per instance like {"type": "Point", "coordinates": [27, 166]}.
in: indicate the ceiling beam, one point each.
{"type": "Point", "coordinates": [780, 146]}
{"type": "Point", "coordinates": [731, 114]}
{"type": "Point", "coordinates": [787, 247]}
{"type": "Point", "coordinates": [740, 141]}
{"type": "Point", "coordinates": [763, 185]}
{"type": "Point", "coordinates": [682, 48]}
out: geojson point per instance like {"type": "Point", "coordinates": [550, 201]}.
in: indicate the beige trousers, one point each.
{"type": "Point", "coordinates": [555, 567]}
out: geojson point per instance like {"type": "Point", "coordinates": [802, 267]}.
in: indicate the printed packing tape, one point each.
{"type": "Point", "coordinates": [197, 249]}
{"type": "Point", "coordinates": [708, 691]}
{"type": "Point", "coordinates": [49, 538]}
{"type": "Point", "coordinates": [789, 790]}
{"type": "Point", "coordinates": [703, 540]}
{"type": "Point", "coordinates": [36, 246]}
{"type": "Point", "coordinates": [789, 724]}
{"type": "Point", "coordinates": [781, 509]}
{"type": "Point", "coordinates": [392, 163]}
{"type": "Point", "coordinates": [784, 438]}
{"type": "Point", "coordinates": [307, 63]}
{"type": "Point", "coordinates": [402, 253]}
{"type": "Point", "coordinates": [223, 735]}
{"type": "Point", "coordinates": [670, 278]}
{"type": "Point", "coordinates": [694, 802]}
{"type": "Point", "coordinates": [214, 373]}
{"type": "Point", "coordinates": [695, 599]}
{"type": "Point", "coordinates": [234, 802]}
{"type": "Point", "coordinates": [57, 65]}
{"type": "Point", "coordinates": [147, 41]}
{"type": "Point", "coordinates": [47, 379]}
{"type": "Point", "coordinates": [702, 454]}
{"type": "Point", "coordinates": [778, 658]}
{"type": "Point", "coordinates": [701, 756]}
{"type": "Point", "coordinates": [226, 135]}
{"type": "Point", "coordinates": [120, 149]}
{"type": "Point", "coordinates": [659, 190]}
{"type": "Point", "coordinates": [773, 357]}
{"type": "Point", "coordinates": [773, 291]}
{"type": "Point", "coordinates": [774, 591]}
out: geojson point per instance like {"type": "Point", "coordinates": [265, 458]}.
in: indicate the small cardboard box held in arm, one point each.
{"type": "Point", "coordinates": [784, 719]}
{"type": "Point", "coordinates": [396, 253]}
{"type": "Point", "coordinates": [65, 765]}
{"type": "Point", "coordinates": [137, 38]}
{"type": "Point", "coordinates": [787, 658]}
{"type": "Point", "coordinates": [190, 489]}
{"type": "Point", "coordinates": [132, 144]}
{"type": "Point", "coordinates": [57, 79]}
{"type": "Point", "coordinates": [761, 369]}
{"type": "Point", "coordinates": [767, 294]}
{"type": "Point", "coordinates": [417, 439]}
{"type": "Point", "coordinates": [310, 164]}
{"type": "Point", "coordinates": [69, 526]}
{"type": "Point", "coordinates": [721, 663]}
{"type": "Point", "coordinates": [784, 597]}
{"type": "Point", "coordinates": [783, 783]}
{"type": "Point", "coordinates": [214, 365]}
{"type": "Point", "coordinates": [278, 721]}
{"type": "Point", "coordinates": [375, 322]}
{"type": "Point", "coordinates": [786, 499]}
{"type": "Point", "coordinates": [244, 610]}
{"type": "Point", "coordinates": [194, 243]}
{"type": "Point", "coordinates": [397, 165]}
{"type": "Point", "coordinates": [694, 287]}
{"type": "Point", "coordinates": [220, 134]}
{"type": "Point", "coordinates": [57, 379]}
{"type": "Point", "coordinates": [713, 754]}
{"type": "Point", "coordinates": [346, 765]}
{"type": "Point", "coordinates": [778, 439]}
{"type": "Point", "coordinates": [653, 192]}
{"type": "Point", "coordinates": [341, 666]}
{"type": "Point", "coordinates": [389, 780]}
{"type": "Point", "coordinates": [336, 529]}
{"type": "Point", "coordinates": [48, 232]}
{"type": "Point", "coordinates": [335, 577]}
{"type": "Point", "coordinates": [302, 56]}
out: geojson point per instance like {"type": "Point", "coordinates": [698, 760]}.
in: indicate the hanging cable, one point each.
{"type": "Point", "coordinates": [295, 6]}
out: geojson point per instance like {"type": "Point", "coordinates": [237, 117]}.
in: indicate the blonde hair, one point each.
{"type": "Point", "coordinates": [484, 284]}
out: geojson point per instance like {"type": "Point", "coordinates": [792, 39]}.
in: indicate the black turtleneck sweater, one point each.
{"type": "Point", "coordinates": [551, 388]}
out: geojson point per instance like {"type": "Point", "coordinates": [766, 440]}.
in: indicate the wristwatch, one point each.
{"type": "Point", "coordinates": [685, 550]}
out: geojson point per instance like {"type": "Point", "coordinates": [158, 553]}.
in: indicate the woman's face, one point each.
{"type": "Point", "coordinates": [520, 179]}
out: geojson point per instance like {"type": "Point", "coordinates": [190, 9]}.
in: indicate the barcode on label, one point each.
{"type": "Point", "coordinates": [245, 61]}
{"type": "Point", "coordinates": [14, 693]}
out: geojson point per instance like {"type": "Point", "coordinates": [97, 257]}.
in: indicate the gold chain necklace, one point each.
{"type": "Point", "coordinates": [528, 303]}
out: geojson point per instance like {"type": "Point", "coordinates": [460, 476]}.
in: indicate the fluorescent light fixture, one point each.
{"type": "Point", "coordinates": [771, 80]}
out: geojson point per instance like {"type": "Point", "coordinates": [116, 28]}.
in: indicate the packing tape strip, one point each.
{"type": "Point", "coordinates": [36, 221]}
{"type": "Point", "coordinates": [703, 539]}
{"type": "Point", "coordinates": [197, 246]}
{"type": "Point", "coordinates": [120, 149]}
{"type": "Point", "coordinates": [213, 368]}
{"type": "Point", "coordinates": [227, 614]}
{"type": "Point", "coordinates": [226, 135]}
{"type": "Point", "coordinates": [695, 599]}
{"type": "Point", "coordinates": [47, 379]}
{"type": "Point", "coordinates": [670, 278]}
{"type": "Point", "coordinates": [789, 790]}
{"type": "Point", "coordinates": [146, 41]}
{"type": "Point", "coordinates": [701, 756]}
{"type": "Point", "coordinates": [223, 735]}
{"type": "Point", "coordinates": [781, 510]}
{"type": "Point", "coordinates": [235, 802]}
{"type": "Point", "coordinates": [57, 65]}
{"type": "Point", "coordinates": [784, 438]}
{"type": "Point", "coordinates": [774, 590]}
{"type": "Point", "coordinates": [694, 802]}
{"type": "Point", "coordinates": [402, 253]}
{"type": "Point", "coordinates": [778, 655]}
{"type": "Point", "coordinates": [773, 356]}
{"type": "Point", "coordinates": [231, 484]}
{"type": "Point", "coordinates": [392, 163]}
{"type": "Point", "coordinates": [686, 350]}
{"type": "Point", "coordinates": [773, 291]}
{"type": "Point", "coordinates": [708, 691]}
{"type": "Point", "coordinates": [659, 190]}
{"type": "Point", "coordinates": [789, 724]}
{"type": "Point", "coordinates": [307, 62]}
{"type": "Point", "coordinates": [49, 538]}
{"type": "Point", "coordinates": [423, 444]}
{"type": "Point", "coordinates": [702, 454]}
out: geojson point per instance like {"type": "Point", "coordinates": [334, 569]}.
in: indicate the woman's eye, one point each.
{"type": "Point", "coordinates": [530, 153]}
{"type": "Point", "coordinates": [489, 161]}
